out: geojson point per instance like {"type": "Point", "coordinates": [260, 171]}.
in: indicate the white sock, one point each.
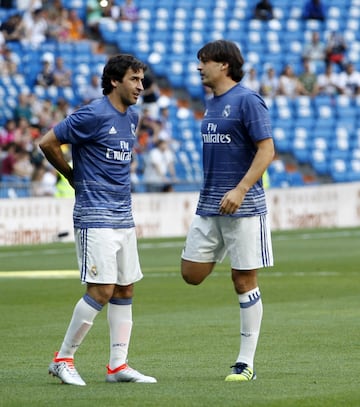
{"type": "Point", "coordinates": [251, 311]}
{"type": "Point", "coordinates": [120, 322]}
{"type": "Point", "coordinates": [82, 319]}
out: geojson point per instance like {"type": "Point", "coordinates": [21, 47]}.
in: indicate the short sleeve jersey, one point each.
{"type": "Point", "coordinates": [102, 140]}
{"type": "Point", "coordinates": [232, 125]}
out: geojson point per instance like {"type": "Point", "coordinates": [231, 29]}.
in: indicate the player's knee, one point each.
{"type": "Point", "coordinates": [190, 279]}
{"type": "Point", "coordinates": [194, 273]}
{"type": "Point", "coordinates": [100, 293]}
{"type": "Point", "coordinates": [244, 281]}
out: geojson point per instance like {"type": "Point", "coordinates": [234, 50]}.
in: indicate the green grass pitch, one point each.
{"type": "Point", "coordinates": [308, 353]}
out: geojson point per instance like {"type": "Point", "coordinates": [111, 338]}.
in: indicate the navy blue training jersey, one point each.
{"type": "Point", "coordinates": [232, 124]}
{"type": "Point", "coordinates": [102, 140]}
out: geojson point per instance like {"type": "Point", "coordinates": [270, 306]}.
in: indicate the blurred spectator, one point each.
{"type": "Point", "coordinates": [94, 13]}
{"type": "Point", "coordinates": [129, 11]}
{"type": "Point", "coordinates": [63, 26]}
{"type": "Point", "coordinates": [147, 131]}
{"type": "Point", "coordinates": [308, 79]}
{"type": "Point", "coordinates": [24, 5]}
{"type": "Point", "coordinates": [314, 10]}
{"type": "Point", "coordinates": [16, 162]}
{"type": "Point", "coordinates": [7, 133]}
{"type": "Point", "coordinates": [23, 167]}
{"type": "Point", "coordinates": [165, 130]}
{"type": "Point", "coordinates": [36, 28]}
{"type": "Point", "coordinates": [76, 26]}
{"type": "Point", "coordinates": [62, 75]}
{"type": "Point", "coordinates": [9, 65]}
{"type": "Point", "coordinates": [336, 49]}
{"type": "Point", "coordinates": [25, 134]}
{"type": "Point", "coordinates": [62, 110]}
{"type": "Point", "coordinates": [56, 5]}
{"type": "Point", "coordinates": [23, 108]}
{"type": "Point", "coordinates": [45, 77]}
{"type": "Point", "coordinates": [159, 171]}
{"type": "Point", "coordinates": [289, 84]}
{"type": "Point", "coordinates": [315, 52]}
{"type": "Point", "coordinates": [45, 116]}
{"type": "Point", "coordinates": [44, 180]}
{"type": "Point", "coordinates": [328, 82]}
{"type": "Point", "coordinates": [58, 29]}
{"type": "Point", "coordinates": [13, 28]}
{"type": "Point", "coordinates": [150, 96]}
{"type": "Point", "coordinates": [10, 156]}
{"type": "Point", "coordinates": [349, 80]}
{"type": "Point", "coordinates": [269, 84]}
{"type": "Point", "coordinates": [93, 91]}
{"type": "Point", "coordinates": [264, 10]}
{"type": "Point", "coordinates": [36, 105]}
{"type": "Point", "coordinates": [251, 80]}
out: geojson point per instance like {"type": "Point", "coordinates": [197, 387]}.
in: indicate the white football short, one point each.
{"type": "Point", "coordinates": [108, 256]}
{"type": "Point", "coordinates": [247, 241]}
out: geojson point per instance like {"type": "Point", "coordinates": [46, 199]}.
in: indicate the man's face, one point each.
{"type": "Point", "coordinates": [129, 90]}
{"type": "Point", "coordinates": [210, 72]}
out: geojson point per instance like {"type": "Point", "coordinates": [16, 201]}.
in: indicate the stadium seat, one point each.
{"type": "Point", "coordinates": [319, 162]}
{"type": "Point", "coordinates": [300, 150]}
{"type": "Point", "coordinates": [282, 139]}
{"type": "Point", "coordinates": [295, 179]}
{"type": "Point", "coordinates": [339, 170]}
{"type": "Point", "coordinates": [354, 170]}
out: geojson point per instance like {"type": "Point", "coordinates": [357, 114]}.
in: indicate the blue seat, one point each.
{"type": "Point", "coordinates": [279, 180]}
{"type": "Point", "coordinates": [354, 170]}
{"type": "Point", "coordinates": [300, 149]}
{"type": "Point", "coordinates": [346, 112]}
{"type": "Point", "coordinates": [283, 138]}
{"type": "Point", "coordinates": [318, 160]}
{"type": "Point", "coordinates": [338, 170]}
{"type": "Point", "coordinates": [295, 179]}
{"type": "Point", "coordinates": [304, 122]}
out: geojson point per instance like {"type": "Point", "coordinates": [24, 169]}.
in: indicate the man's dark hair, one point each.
{"type": "Point", "coordinates": [116, 68]}
{"type": "Point", "coordinates": [224, 51]}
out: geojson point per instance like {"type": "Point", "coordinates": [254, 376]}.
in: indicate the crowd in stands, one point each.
{"type": "Point", "coordinates": [21, 162]}
{"type": "Point", "coordinates": [325, 69]}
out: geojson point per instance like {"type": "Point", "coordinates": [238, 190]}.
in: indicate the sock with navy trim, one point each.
{"type": "Point", "coordinates": [251, 311]}
{"type": "Point", "coordinates": [82, 319]}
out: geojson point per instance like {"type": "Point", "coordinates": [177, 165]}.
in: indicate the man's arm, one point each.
{"type": "Point", "coordinates": [232, 200]}
{"type": "Point", "coordinates": [51, 147]}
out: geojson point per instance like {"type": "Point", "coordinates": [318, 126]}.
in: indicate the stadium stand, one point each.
{"type": "Point", "coordinates": [321, 133]}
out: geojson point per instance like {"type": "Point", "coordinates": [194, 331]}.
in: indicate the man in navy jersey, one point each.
{"type": "Point", "coordinates": [102, 135]}
{"type": "Point", "coordinates": [231, 213]}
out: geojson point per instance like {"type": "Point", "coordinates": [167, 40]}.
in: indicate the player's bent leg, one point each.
{"type": "Point", "coordinates": [195, 273]}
